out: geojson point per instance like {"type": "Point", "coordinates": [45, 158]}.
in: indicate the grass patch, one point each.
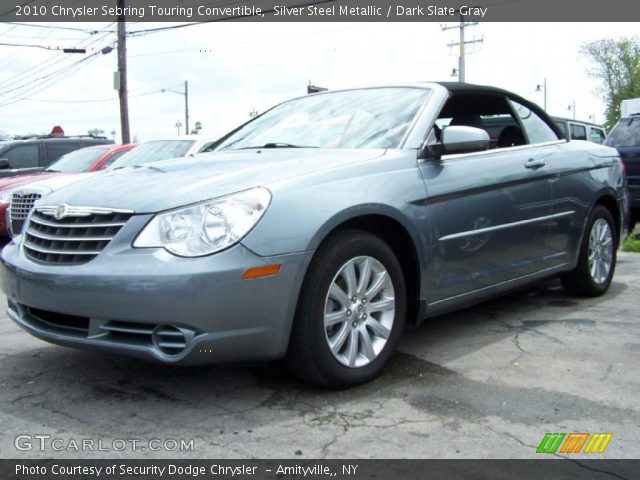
{"type": "Point", "coordinates": [631, 243]}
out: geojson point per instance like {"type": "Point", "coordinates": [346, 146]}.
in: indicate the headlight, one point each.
{"type": "Point", "coordinates": [207, 227]}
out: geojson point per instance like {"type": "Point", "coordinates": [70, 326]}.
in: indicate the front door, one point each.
{"type": "Point", "coordinates": [488, 211]}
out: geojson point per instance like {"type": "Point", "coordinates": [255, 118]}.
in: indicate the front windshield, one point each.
{"type": "Point", "coordinates": [153, 151]}
{"type": "Point", "coordinates": [78, 160]}
{"type": "Point", "coordinates": [368, 118]}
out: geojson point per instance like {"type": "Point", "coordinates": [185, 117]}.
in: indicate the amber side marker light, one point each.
{"type": "Point", "coordinates": [259, 272]}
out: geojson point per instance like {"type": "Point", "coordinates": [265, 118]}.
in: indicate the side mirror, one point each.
{"type": "Point", "coordinates": [4, 164]}
{"type": "Point", "coordinates": [460, 139]}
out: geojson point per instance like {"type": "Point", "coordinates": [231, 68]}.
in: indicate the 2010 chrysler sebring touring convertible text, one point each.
{"type": "Point", "coordinates": [318, 230]}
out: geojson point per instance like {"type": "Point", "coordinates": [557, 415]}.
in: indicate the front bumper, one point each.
{"type": "Point", "coordinates": [126, 300]}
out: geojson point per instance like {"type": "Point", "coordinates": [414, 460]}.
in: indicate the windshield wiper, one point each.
{"type": "Point", "coordinates": [276, 145]}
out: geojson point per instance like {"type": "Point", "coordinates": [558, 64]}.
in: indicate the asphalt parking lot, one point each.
{"type": "Point", "coordinates": [487, 382]}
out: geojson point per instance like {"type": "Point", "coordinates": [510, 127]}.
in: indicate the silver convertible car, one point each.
{"type": "Point", "coordinates": [317, 231]}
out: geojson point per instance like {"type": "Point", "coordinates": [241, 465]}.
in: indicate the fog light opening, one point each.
{"type": "Point", "coordinates": [169, 340]}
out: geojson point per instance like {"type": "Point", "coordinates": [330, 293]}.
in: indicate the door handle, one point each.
{"type": "Point", "coordinates": [535, 163]}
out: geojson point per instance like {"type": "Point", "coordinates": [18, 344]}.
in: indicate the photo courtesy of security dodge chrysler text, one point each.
{"type": "Point", "coordinates": [319, 230]}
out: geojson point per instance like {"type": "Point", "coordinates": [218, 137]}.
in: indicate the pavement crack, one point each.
{"type": "Point", "coordinates": [597, 470]}
{"type": "Point", "coordinates": [522, 351]}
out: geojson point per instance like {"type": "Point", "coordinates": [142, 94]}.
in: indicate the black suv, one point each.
{"type": "Point", "coordinates": [625, 137]}
{"type": "Point", "coordinates": [37, 153]}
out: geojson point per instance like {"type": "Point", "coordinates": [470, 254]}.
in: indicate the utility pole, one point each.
{"type": "Point", "coordinates": [186, 107]}
{"type": "Point", "coordinates": [543, 88]}
{"type": "Point", "coordinates": [462, 44]}
{"type": "Point", "coordinates": [122, 75]}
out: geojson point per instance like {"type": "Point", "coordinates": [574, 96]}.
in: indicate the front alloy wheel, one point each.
{"type": "Point", "coordinates": [359, 311]}
{"type": "Point", "coordinates": [350, 312]}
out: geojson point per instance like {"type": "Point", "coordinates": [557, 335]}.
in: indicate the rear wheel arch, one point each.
{"type": "Point", "coordinates": [608, 201]}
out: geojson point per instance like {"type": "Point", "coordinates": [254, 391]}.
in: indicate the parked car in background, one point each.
{"type": "Point", "coordinates": [625, 137]}
{"type": "Point", "coordinates": [89, 159]}
{"type": "Point", "coordinates": [579, 130]}
{"type": "Point", "coordinates": [317, 230]}
{"type": "Point", "coordinates": [23, 199]}
{"type": "Point", "coordinates": [37, 153]}
{"type": "Point", "coordinates": [163, 149]}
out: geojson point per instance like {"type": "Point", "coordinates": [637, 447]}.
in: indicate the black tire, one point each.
{"type": "Point", "coordinates": [309, 356]}
{"type": "Point", "coordinates": [579, 281]}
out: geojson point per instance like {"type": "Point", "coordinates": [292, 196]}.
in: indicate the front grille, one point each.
{"type": "Point", "coordinates": [71, 240]}
{"type": "Point", "coordinates": [21, 205]}
{"type": "Point", "coordinates": [168, 339]}
{"type": "Point", "coordinates": [72, 322]}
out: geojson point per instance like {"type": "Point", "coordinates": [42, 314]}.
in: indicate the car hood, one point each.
{"type": "Point", "coordinates": [11, 182]}
{"type": "Point", "coordinates": [173, 183]}
{"type": "Point", "coordinates": [57, 181]}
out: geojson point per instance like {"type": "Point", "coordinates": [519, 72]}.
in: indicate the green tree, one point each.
{"type": "Point", "coordinates": [617, 67]}
{"type": "Point", "coordinates": [198, 127]}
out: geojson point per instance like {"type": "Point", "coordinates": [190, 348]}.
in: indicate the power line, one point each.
{"type": "Point", "coordinates": [223, 19]}
{"type": "Point", "coordinates": [47, 80]}
{"type": "Point", "coordinates": [58, 76]}
{"type": "Point", "coordinates": [462, 44]}
{"type": "Point", "coordinates": [44, 47]}
{"type": "Point", "coordinates": [96, 100]}
{"type": "Point", "coordinates": [36, 69]}
{"type": "Point", "coordinates": [55, 27]}
{"type": "Point", "coordinates": [36, 37]}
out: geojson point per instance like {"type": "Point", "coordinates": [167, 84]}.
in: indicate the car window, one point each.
{"type": "Point", "coordinates": [625, 134]}
{"type": "Point", "coordinates": [153, 151]}
{"type": "Point", "coordinates": [78, 160]}
{"type": "Point", "coordinates": [596, 135]}
{"type": "Point", "coordinates": [563, 128]}
{"type": "Point", "coordinates": [489, 112]}
{"type": "Point", "coordinates": [22, 156]}
{"type": "Point", "coordinates": [369, 118]}
{"type": "Point", "coordinates": [578, 132]}
{"type": "Point", "coordinates": [537, 130]}
{"type": "Point", "coordinates": [56, 150]}
{"type": "Point", "coordinates": [208, 147]}
{"type": "Point", "coordinates": [113, 158]}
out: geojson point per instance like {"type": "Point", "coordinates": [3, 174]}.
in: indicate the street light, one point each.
{"type": "Point", "coordinates": [543, 88]}
{"type": "Point", "coordinates": [186, 102]}
{"type": "Point", "coordinates": [178, 125]}
{"type": "Point", "coordinates": [572, 107]}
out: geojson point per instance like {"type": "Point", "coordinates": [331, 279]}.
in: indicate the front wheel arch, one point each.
{"type": "Point", "coordinates": [404, 245]}
{"type": "Point", "coordinates": [310, 355]}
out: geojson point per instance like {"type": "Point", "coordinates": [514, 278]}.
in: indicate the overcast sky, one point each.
{"type": "Point", "coordinates": [233, 68]}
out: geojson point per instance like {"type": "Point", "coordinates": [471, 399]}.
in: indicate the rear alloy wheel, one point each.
{"type": "Point", "coordinates": [350, 313]}
{"type": "Point", "coordinates": [596, 264]}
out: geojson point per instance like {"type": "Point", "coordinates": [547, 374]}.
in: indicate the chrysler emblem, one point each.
{"type": "Point", "coordinates": [60, 212]}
